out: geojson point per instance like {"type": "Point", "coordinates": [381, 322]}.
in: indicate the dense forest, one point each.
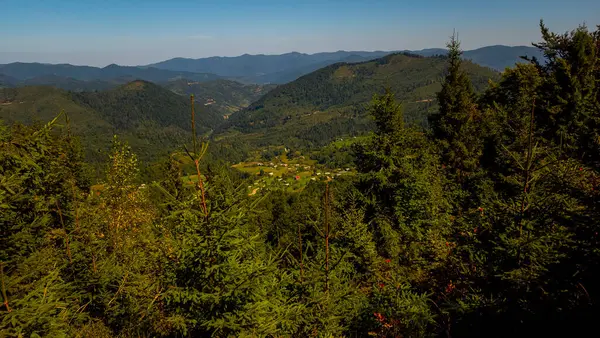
{"type": "Point", "coordinates": [153, 120]}
{"type": "Point", "coordinates": [332, 102]}
{"type": "Point", "coordinates": [483, 224]}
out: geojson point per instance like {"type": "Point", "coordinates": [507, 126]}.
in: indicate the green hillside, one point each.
{"type": "Point", "coordinates": [330, 102]}
{"type": "Point", "coordinates": [153, 120]}
{"type": "Point", "coordinates": [226, 96]}
{"type": "Point", "coordinates": [140, 102]}
{"type": "Point", "coordinates": [41, 104]}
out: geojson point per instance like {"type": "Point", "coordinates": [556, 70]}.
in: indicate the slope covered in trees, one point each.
{"type": "Point", "coordinates": [329, 103]}
{"type": "Point", "coordinates": [137, 102]}
{"type": "Point", "coordinates": [71, 84]}
{"type": "Point", "coordinates": [224, 95]}
{"type": "Point", "coordinates": [151, 118]}
{"type": "Point", "coordinates": [38, 104]}
{"type": "Point", "coordinates": [486, 225]}
{"type": "Point", "coordinates": [290, 74]}
{"type": "Point", "coordinates": [7, 81]}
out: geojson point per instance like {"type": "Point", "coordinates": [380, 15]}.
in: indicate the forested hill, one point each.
{"type": "Point", "coordinates": [7, 81]}
{"type": "Point", "coordinates": [152, 119]}
{"type": "Point", "coordinates": [330, 102]}
{"type": "Point", "coordinates": [139, 102]}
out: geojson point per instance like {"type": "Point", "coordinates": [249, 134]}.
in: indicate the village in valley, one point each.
{"type": "Point", "coordinates": [283, 169]}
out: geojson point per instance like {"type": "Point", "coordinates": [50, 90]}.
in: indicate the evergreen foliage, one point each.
{"type": "Point", "coordinates": [486, 225]}
{"type": "Point", "coordinates": [330, 102]}
{"type": "Point", "coordinates": [456, 125]}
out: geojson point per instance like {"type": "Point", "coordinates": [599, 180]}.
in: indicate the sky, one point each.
{"type": "Point", "coordinates": [132, 32]}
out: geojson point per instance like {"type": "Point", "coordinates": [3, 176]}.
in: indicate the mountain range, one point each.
{"type": "Point", "coordinates": [72, 77]}
{"type": "Point", "coordinates": [323, 100]}
{"type": "Point", "coordinates": [249, 69]}
{"type": "Point", "coordinates": [287, 67]}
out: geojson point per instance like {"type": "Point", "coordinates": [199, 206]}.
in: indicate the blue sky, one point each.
{"type": "Point", "coordinates": [132, 32]}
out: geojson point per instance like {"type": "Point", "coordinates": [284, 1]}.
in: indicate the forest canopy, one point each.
{"type": "Point", "coordinates": [484, 224]}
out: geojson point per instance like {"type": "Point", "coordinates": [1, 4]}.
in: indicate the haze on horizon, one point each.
{"type": "Point", "coordinates": [99, 33]}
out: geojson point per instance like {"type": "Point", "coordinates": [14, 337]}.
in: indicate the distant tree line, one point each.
{"type": "Point", "coordinates": [486, 224]}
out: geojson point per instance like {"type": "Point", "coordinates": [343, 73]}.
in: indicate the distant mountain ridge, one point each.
{"type": "Point", "coordinates": [500, 57]}
{"type": "Point", "coordinates": [256, 65]}
{"type": "Point", "coordinates": [287, 67]}
{"type": "Point", "coordinates": [256, 69]}
{"type": "Point", "coordinates": [29, 71]}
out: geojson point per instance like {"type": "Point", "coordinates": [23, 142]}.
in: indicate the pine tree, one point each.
{"type": "Point", "coordinates": [37, 185]}
{"type": "Point", "coordinates": [457, 124]}
{"type": "Point", "coordinates": [569, 102]}
{"type": "Point", "coordinates": [515, 254]}
{"type": "Point", "coordinates": [402, 189]}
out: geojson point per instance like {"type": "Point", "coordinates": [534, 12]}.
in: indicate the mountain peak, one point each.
{"type": "Point", "coordinates": [112, 66]}
{"type": "Point", "coordinates": [136, 85]}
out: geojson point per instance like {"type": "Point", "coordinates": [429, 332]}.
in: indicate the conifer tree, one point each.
{"type": "Point", "coordinates": [402, 188]}
{"type": "Point", "coordinates": [457, 124]}
{"type": "Point", "coordinates": [516, 247]}
{"type": "Point", "coordinates": [402, 183]}
{"type": "Point", "coordinates": [569, 101]}
{"type": "Point", "coordinates": [35, 195]}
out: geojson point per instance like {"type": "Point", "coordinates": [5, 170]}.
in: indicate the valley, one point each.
{"type": "Point", "coordinates": [434, 192]}
{"type": "Point", "coordinates": [304, 114]}
{"type": "Point", "coordinates": [280, 168]}
{"type": "Point", "coordinates": [322, 97]}
{"type": "Point", "coordinates": [226, 95]}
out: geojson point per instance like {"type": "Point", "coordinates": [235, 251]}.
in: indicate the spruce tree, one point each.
{"type": "Point", "coordinates": [516, 252]}
{"type": "Point", "coordinates": [570, 100]}
{"type": "Point", "coordinates": [402, 188]}
{"type": "Point", "coordinates": [457, 124]}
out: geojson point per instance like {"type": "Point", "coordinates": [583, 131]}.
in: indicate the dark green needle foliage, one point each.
{"type": "Point", "coordinates": [485, 224]}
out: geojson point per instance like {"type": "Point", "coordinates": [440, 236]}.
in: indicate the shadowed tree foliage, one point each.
{"type": "Point", "coordinates": [457, 124]}
{"type": "Point", "coordinates": [485, 225]}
